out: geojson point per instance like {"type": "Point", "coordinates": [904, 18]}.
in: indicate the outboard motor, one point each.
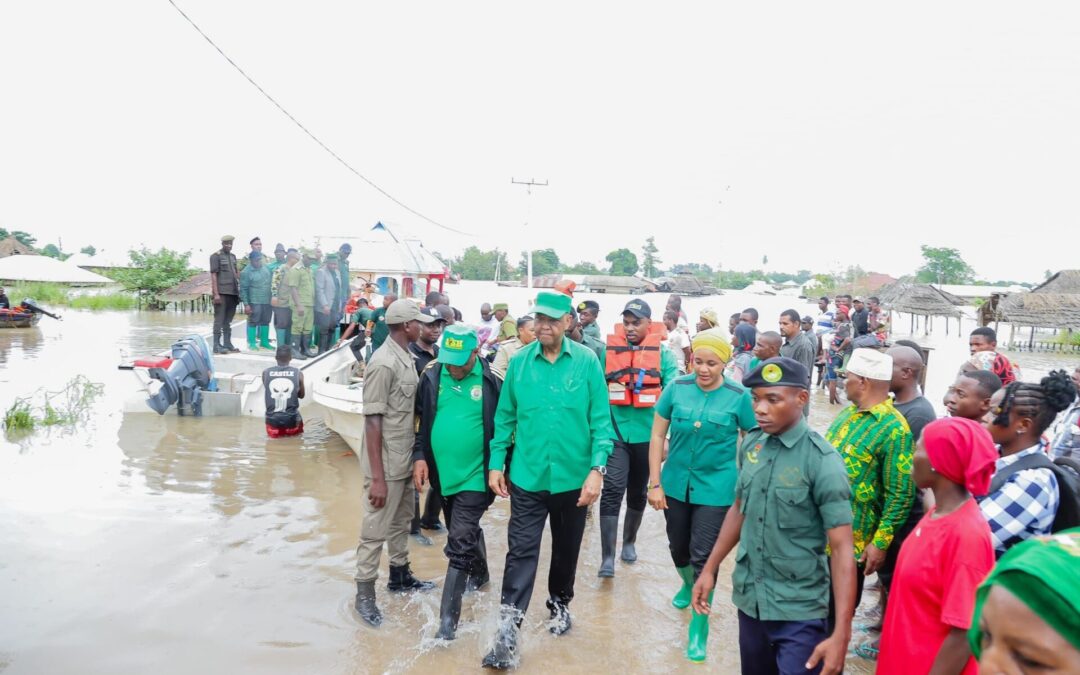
{"type": "Point", "coordinates": [190, 373]}
{"type": "Point", "coordinates": [30, 305]}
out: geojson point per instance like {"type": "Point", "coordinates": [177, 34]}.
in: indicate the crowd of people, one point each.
{"type": "Point", "coordinates": [965, 521]}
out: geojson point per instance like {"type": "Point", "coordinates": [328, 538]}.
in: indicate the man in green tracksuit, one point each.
{"type": "Point", "coordinates": [302, 302]}
{"type": "Point", "coordinates": [255, 294]}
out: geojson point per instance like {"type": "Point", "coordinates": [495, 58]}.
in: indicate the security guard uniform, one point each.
{"type": "Point", "coordinates": [792, 488]}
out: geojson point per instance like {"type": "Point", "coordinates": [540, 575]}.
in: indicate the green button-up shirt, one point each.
{"type": "Point", "coordinates": [556, 415]}
{"type": "Point", "coordinates": [875, 445]}
{"type": "Point", "coordinates": [634, 425]}
{"type": "Point", "coordinates": [300, 278]}
{"type": "Point", "coordinates": [700, 468]}
{"type": "Point", "coordinates": [792, 489]}
{"type": "Point", "coordinates": [593, 331]}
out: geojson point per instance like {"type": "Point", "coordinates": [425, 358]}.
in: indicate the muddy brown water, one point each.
{"type": "Point", "coordinates": [136, 543]}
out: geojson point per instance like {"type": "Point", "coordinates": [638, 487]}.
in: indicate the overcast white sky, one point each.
{"type": "Point", "coordinates": [820, 134]}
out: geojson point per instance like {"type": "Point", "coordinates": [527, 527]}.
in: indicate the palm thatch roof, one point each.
{"type": "Point", "coordinates": [12, 246]}
{"type": "Point", "coordinates": [924, 299]}
{"type": "Point", "coordinates": [1054, 304]}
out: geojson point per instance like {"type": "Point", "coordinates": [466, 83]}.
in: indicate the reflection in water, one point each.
{"type": "Point", "coordinates": [139, 543]}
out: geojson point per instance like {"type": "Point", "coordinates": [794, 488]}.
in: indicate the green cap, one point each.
{"type": "Point", "coordinates": [501, 305]}
{"type": "Point", "coordinates": [555, 305]}
{"type": "Point", "coordinates": [458, 343]}
{"type": "Point", "coordinates": [331, 257]}
{"type": "Point", "coordinates": [226, 238]}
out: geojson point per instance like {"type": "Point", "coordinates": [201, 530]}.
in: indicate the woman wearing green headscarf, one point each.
{"type": "Point", "coordinates": [704, 411]}
{"type": "Point", "coordinates": [1027, 612]}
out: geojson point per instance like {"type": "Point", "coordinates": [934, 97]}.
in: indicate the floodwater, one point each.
{"type": "Point", "coordinates": [137, 543]}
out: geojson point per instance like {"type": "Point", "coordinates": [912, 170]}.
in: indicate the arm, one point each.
{"type": "Point", "coordinates": [377, 382]}
{"type": "Point", "coordinates": [953, 655]}
{"type": "Point", "coordinates": [505, 426]}
{"type": "Point", "coordinates": [842, 565]}
{"type": "Point", "coordinates": [295, 295]}
{"type": "Point", "coordinates": [656, 456]}
{"type": "Point", "coordinates": [899, 495]}
{"type": "Point", "coordinates": [213, 279]}
{"type": "Point", "coordinates": [245, 284]}
{"type": "Point", "coordinates": [502, 360]}
{"type": "Point", "coordinates": [600, 431]}
{"type": "Point", "coordinates": [302, 391]}
{"type": "Point", "coordinates": [373, 445]}
{"type": "Point", "coordinates": [422, 440]}
{"type": "Point", "coordinates": [730, 532]}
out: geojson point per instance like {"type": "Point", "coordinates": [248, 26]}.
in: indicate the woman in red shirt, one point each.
{"type": "Point", "coordinates": [945, 558]}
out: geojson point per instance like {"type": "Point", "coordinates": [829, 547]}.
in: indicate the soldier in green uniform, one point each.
{"type": "Point", "coordinates": [344, 251]}
{"type": "Point", "coordinates": [588, 312]}
{"type": "Point", "coordinates": [281, 298]}
{"type": "Point", "coordinates": [255, 294]}
{"type": "Point", "coordinates": [280, 255]}
{"type": "Point", "coordinates": [302, 302]}
{"type": "Point", "coordinates": [507, 323]}
{"type": "Point", "coordinates": [791, 499]}
{"type": "Point", "coordinates": [225, 287]}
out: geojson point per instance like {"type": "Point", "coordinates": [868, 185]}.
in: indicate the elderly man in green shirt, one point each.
{"type": "Point", "coordinates": [553, 408]}
{"type": "Point", "coordinates": [633, 354]}
{"type": "Point", "coordinates": [874, 440]}
{"type": "Point", "coordinates": [791, 499]}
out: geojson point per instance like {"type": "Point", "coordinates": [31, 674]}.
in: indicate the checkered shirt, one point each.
{"type": "Point", "coordinates": [1025, 505]}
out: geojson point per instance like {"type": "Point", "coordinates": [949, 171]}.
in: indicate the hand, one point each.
{"type": "Point", "coordinates": [657, 499]}
{"type": "Point", "coordinates": [872, 559]}
{"type": "Point", "coordinates": [832, 651]}
{"type": "Point", "coordinates": [497, 483]}
{"type": "Point", "coordinates": [217, 299]}
{"type": "Point", "coordinates": [419, 474]}
{"type": "Point", "coordinates": [248, 309]}
{"type": "Point", "coordinates": [326, 309]}
{"type": "Point", "coordinates": [300, 311]}
{"type": "Point", "coordinates": [377, 494]}
{"type": "Point", "coordinates": [590, 491]}
{"type": "Point", "coordinates": [703, 588]}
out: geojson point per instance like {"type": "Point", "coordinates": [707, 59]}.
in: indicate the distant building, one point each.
{"type": "Point", "coordinates": [12, 246]}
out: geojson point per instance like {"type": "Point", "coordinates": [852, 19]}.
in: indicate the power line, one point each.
{"type": "Point", "coordinates": [312, 136]}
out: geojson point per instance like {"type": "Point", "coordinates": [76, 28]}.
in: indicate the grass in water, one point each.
{"type": "Point", "coordinates": [65, 407]}
{"type": "Point", "coordinates": [58, 294]}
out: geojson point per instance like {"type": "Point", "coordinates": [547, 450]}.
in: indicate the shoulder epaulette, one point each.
{"type": "Point", "coordinates": [737, 388]}
{"type": "Point", "coordinates": [820, 443]}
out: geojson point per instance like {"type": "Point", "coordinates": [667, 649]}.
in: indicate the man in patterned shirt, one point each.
{"type": "Point", "coordinates": [874, 440]}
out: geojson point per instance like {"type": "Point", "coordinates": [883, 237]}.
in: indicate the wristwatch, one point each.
{"type": "Point", "coordinates": [602, 470]}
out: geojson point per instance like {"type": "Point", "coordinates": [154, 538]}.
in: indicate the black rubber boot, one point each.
{"type": "Point", "coordinates": [478, 575]}
{"type": "Point", "coordinates": [450, 611]}
{"type": "Point", "coordinates": [365, 603]}
{"type": "Point", "coordinates": [560, 617]}
{"type": "Point", "coordinates": [218, 349]}
{"type": "Point", "coordinates": [297, 352]}
{"type": "Point", "coordinates": [305, 345]}
{"type": "Point", "coordinates": [609, 529]}
{"type": "Point", "coordinates": [630, 526]}
{"type": "Point", "coordinates": [504, 652]}
{"type": "Point", "coordinates": [402, 579]}
{"type": "Point", "coordinates": [226, 337]}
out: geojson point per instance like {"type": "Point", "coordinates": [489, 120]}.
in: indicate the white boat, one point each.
{"type": "Point", "coordinates": [343, 410]}
{"type": "Point", "coordinates": [237, 387]}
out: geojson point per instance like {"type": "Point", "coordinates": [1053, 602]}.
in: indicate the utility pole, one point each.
{"type": "Point", "coordinates": [529, 184]}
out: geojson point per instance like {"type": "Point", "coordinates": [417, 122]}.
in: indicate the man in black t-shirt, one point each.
{"type": "Point", "coordinates": [283, 387]}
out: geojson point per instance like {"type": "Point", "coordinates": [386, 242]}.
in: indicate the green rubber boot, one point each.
{"type": "Point", "coordinates": [252, 345]}
{"type": "Point", "coordinates": [264, 337]}
{"type": "Point", "coordinates": [682, 598]}
{"type": "Point", "coordinates": [698, 636]}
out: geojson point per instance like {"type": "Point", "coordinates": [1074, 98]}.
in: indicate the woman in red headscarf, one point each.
{"type": "Point", "coordinates": [945, 558]}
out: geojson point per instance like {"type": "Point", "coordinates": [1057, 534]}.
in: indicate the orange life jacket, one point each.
{"type": "Point", "coordinates": [633, 371]}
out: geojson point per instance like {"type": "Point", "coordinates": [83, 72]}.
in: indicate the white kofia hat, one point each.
{"type": "Point", "coordinates": [871, 364]}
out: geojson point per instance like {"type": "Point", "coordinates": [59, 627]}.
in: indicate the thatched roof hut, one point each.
{"type": "Point", "coordinates": [12, 246]}
{"type": "Point", "coordinates": [923, 299]}
{"type": "Point", "coordinates": [1054, 304]}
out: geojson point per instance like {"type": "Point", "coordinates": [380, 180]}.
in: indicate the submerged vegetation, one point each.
{"type": "Point", "coordinates": [59, 294]}
{"type": "Point", "coordinates": [43, 408]}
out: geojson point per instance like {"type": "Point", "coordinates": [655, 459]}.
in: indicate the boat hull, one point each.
{"type": "Point", "coordinates": [238, 377]}
{"type": "Point", "coordinates": [343, 411]}
{"type": "Point", "coordinates": [15, 319]}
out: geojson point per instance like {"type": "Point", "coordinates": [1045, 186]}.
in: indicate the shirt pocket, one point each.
{"type": "Point", "coordinates": [402, 397]}
{"type": "Point", "coordinates": [720, 423]}
{"type": "Point", "coordinates": [792, 507]}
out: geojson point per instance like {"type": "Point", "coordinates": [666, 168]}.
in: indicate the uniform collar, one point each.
{"type": "Point", "coordinates": [400, 354]}
{"type": "Point", "coordinates": [795, 434]}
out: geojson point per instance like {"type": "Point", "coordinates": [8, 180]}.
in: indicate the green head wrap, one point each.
{"type": "Point", "coordinates": [1042, 572]}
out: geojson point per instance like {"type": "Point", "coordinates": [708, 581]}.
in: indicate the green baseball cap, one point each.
{"type": "Point", "coordinates": [555, 305]}
{"type": "Point", "coordinates": [458, 343]}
